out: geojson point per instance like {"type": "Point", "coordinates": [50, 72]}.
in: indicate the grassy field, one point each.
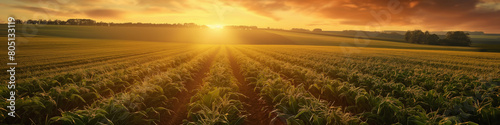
{"type": "Point", "coordinates": [144, 75]}
{"type": "Point", "coordinates": [313, 39]}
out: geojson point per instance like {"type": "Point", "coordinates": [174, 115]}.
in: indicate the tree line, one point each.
{"type": "Point", "coordinates": [453, 38]}
{"type": "Point", "coordinates": [90, 22]}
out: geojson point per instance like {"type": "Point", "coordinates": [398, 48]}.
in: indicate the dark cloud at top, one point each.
{"type": "Point", "coordinates": [456, 13]}
{"type": "Point", "coordinates": [53, 12]}
{"type": "Point", "coordinates": [64, 2]}
{"type": "Point", "coordinates": [104, 13]}
{"type": "Point", "coordinates": [99, 9]}
{"type": "Point", "coordinates": [265, 8]}
{"type": "Point", "coordinates": [432, 14]}
{"type": "Point", "coordinates": [173, 6]}
{"type": "Point", "coordinates": [474, 15]}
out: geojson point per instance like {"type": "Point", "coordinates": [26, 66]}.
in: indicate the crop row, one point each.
{"type": "Point", "coordinates": [128, 72]}
{"type": "Point", "coordinates": [400, 70]}
{"type": "Point", "coordinates": [52, 95]}
{"type": "Point", "coordinates": [292, 103]}
{"type": "Point", "coordinates": [414, 97]}
{"type": "Point", "coordinates": [217, 101]}
{"type": "Point", "coordinates": [369, 81]}
{"type": "Point", "coordinates": [453, 86]}
{"type": "Point", "coordinates": [424, 56]}
{"type": "Point", "coordinates": [144, 103]}
{"type": "Point", "coordinates": [371, 108]}
{"type": "Point", "coordinates": [111, 62]}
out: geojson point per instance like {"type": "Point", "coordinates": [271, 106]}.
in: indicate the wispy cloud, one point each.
{"type": "Point", "coordinates": [426, 14]}
{"type": "Point", "coordinates": [105, 13]}
{"type": "Point", "coordinates": [433, 14]}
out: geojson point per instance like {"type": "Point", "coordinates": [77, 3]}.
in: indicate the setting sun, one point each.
{"type": "Point", "coordinates": [216, 26]}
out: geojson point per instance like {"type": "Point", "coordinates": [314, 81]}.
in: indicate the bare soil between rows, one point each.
{"type": "Point", "coordinates": [180, 107]}
{"type": "Point", "coordinates": [258, 109]}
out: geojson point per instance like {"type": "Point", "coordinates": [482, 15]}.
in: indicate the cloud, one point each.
{"type": "Point", "coordinates": [158, 10]}
{"type": "Point", "coordinates": [105, 13]}
{"type": "Point", "coordinates": [456, 14]}
{"type": "Point", "coordinates": [265, 8]}
{"type": "Point", "coordinates": [319, 24]}
{"type": "Point", "coordinates": [53, 12]}
{"type": "Point", "coordinates": [432, 14]}
{"type": "Point", "coordinates": [92, 7]}
{"type": "Point", "coordinates": [175, 6]}
{"type": "Point", "coordinates": [64, 2]}
{"type": "Point", "coordinates": [426, 14]}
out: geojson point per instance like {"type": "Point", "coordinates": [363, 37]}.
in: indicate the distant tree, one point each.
{"type": "Point", "coordinates": [433, 39]}
{"type": "Point", "coordinates": [457, 38]}
{"type": "Point", "coordinates": [408, 35]}
{"type": "Point", "coordinates": [18, 21]}
{"type": "Point", "coordinates": [300, 29]}
{"type": "Point", "coordinates": [417, 36]}
{"type": "Point", "coordinates": [426, 38]}
{"type": "Point", "coordinates": [317, 30]}
{"type": "Point", "coordinates": [444, 42]}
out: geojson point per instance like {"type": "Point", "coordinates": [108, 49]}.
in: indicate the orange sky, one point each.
{"type": "Point", "coordinates": [373, 15]}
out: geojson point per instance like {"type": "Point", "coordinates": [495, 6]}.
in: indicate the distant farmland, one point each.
{"type": "Point", "coordinates": [141, 75]}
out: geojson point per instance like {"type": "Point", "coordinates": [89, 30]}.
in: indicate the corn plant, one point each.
{"type": "Point", "coordinates": [217, 102]}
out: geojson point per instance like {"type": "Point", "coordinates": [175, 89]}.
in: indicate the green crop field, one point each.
{"type": "Point", "coordinates": [153, 75]}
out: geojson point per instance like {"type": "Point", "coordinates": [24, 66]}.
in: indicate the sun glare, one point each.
{"type": "Point", "coordinates": [216, 26]}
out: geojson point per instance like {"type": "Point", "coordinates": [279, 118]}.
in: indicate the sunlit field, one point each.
{"type": "Point", "coordinates": [157, 75]}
